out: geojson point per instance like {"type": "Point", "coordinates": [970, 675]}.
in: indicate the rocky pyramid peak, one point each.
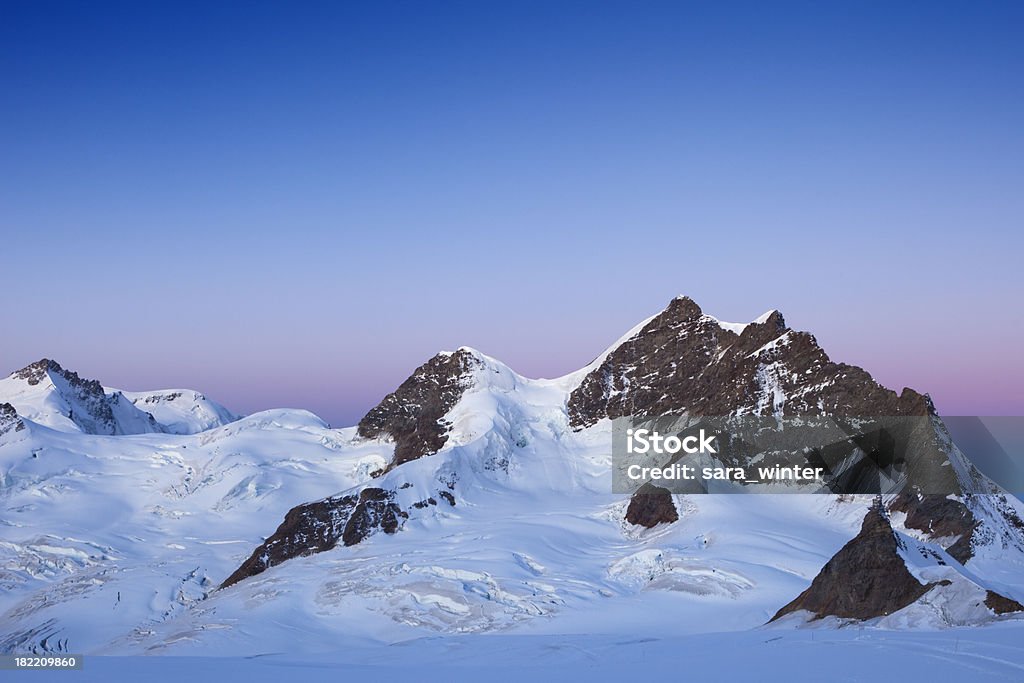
{"type": "Point", "coordinates": [683, 307]}
{"type": "Point", "coordinates": [867, 578]}
{"type": "Point", "coordinates": [871, 575]}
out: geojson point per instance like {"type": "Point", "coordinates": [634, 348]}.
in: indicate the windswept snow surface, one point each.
{"type": "Point", "coordinates": [103, 536]}
{"type": "Point", "coordinates": [992, 654]}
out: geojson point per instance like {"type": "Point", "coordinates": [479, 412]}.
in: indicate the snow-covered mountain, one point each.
{"type": "Point", "coordinates": [47, 394]}
{"type": "Point", "coordinates": [180, 411]}
{"type": "Point", "coordinates": [473, 499]}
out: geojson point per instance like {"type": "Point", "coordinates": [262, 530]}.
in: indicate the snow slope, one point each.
{"type": "Point", "coordinates": [139, 528]}
{"type": "Point", "coordinates": [987, 655]}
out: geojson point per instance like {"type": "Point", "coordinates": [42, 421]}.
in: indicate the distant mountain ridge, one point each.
{"type": "Point", "coordinates": [47, 394]}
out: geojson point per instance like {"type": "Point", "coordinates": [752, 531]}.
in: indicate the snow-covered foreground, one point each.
{"type": "Point", "coordinates": [100, 535]}
{"type": "Point", "coordinates": [993, 653]}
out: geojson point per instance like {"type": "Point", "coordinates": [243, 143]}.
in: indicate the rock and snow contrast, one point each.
{"type": "Point", "coordinates": [474, 500]}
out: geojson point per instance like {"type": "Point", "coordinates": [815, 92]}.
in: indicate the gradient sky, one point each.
{"type": "Point", "coordinates": [295, 204]}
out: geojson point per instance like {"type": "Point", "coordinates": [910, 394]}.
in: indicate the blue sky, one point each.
{"type": "Point", "coordinates": [296, 204]}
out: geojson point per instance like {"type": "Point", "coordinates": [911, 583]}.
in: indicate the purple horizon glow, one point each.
{"type": "Point", "coordinates": [341, 389]}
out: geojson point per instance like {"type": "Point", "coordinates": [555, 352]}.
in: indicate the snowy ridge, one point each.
{"type": "Point", "coordinates": [570, 381]}
{"type": "Point", "coordinates": [738, 328]}
{"type": "Point", "coordinates": [180, 411]}
{"type": "Point", "coordinates": [49, 395]}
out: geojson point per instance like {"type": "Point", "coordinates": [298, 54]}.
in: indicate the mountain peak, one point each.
{"type": "Point", "coordinates": [685, 361]}
{"type": "Point", "coordinates": [46, 393]}
{"type": "Point", "coordinates": [772, 318]}
{"type": "Point", "coordinates": [468, 352]}
{"type": "Point", "coordinates": [683, 307]}
{"type": "Point", "coordinates": [63, 400]}
{"type": "Point", "coordinates": [34, 372]}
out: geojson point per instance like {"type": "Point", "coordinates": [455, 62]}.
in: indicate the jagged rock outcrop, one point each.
{"type": "Point", "coordinates": [307, 529]}
{"type": "Point", "coordinates": [650, 506]}
{"type": "Point", "coordinates": [685, 361]}
{"type": "Point", "coordinates": [413, 414]}
{"type": "Point", "coordinates": [35, 373]}
{"type": "Point", "coordinates": [9, 420]}
{"type": "Point", "coordinates": [316, 527]}
{"type": "Point", "coordinates": [867, 578]}
{"type": "Point", "coordinates": [375, 510]}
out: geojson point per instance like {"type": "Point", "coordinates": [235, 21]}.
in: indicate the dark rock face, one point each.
{"type": "Point", "coordinates": [650, 506]}
{"type": "Point", "coordinates": [940, 517]}
{"type": "Point", "coordinates": [684, 361]}
{"type": "Point", "coordinates": [376, 510]}
{"type": "Point", "coordinates": [165, 398]}
{"type": "Point", "coordinates": [316, 527]}
{"type": "Point", "coordinates": [9, 419]}
{"type": "Point", "coordinates": [413, 414]}
{"type": "Point", "coordinates": [306, 529]}
{"type": "Point", "coordinates": [867, 578]}
{"type": "Point", "coordinates": [95, 413]}
{"type": "Point", "coordinates": [1001, 604]}
{"type": "Point", "coordinates": [36, 372]}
